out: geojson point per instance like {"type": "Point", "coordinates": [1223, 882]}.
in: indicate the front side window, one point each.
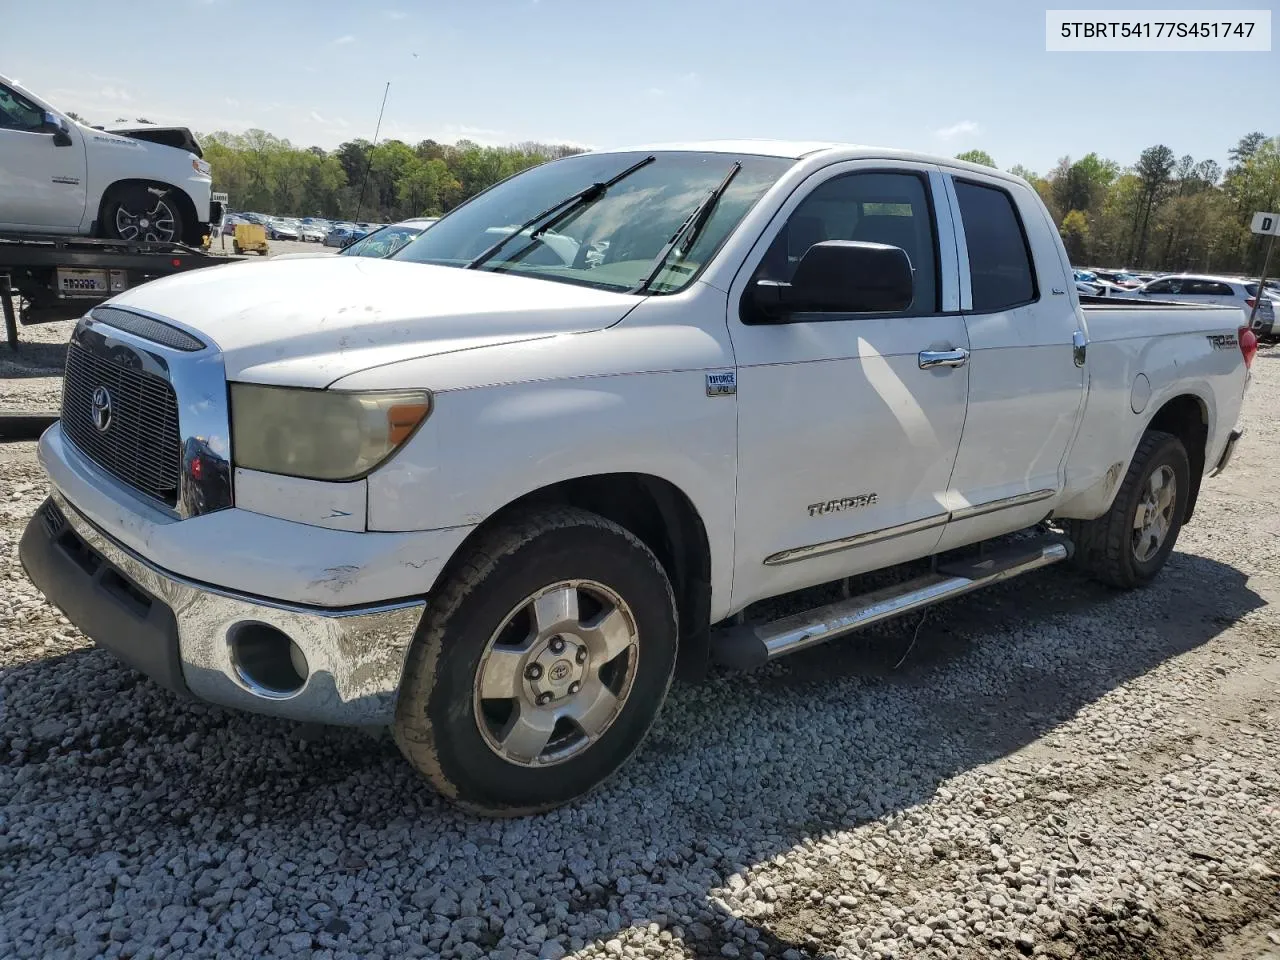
{"type": "Point", "coordinates": [890, 208]}
{"type": "Point", "coordinates": [17, 112]}
{"type": "Point", "coordinates": [1162, 286]}
{"type": "Point", "coordinates": [612, 240]}
{"type": "Point", "coordinates": [999, 260]}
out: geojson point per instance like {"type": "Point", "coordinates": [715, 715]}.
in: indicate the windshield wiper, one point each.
{"type": "Point", "coordinates": [555, 213]}
{"type": "Point", "coordinates": [688, 232]}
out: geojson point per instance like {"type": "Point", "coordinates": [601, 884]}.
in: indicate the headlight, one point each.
{"type": "Point", "coordinates": [201, 166]}
{"type": "Point", "coordinates": [321, 434]}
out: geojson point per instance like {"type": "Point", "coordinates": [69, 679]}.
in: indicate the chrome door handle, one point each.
{"type": "Point", "coordinates": [943, 358]}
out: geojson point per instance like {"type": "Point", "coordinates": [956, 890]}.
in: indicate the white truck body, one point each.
{"type": "Point", "coordinates": [56, 175]}
{"type": "Point", "coordinates": [800, 452]}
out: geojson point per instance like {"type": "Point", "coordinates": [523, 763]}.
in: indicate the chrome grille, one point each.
{"type": "Point", "coordinates": [140, 445]}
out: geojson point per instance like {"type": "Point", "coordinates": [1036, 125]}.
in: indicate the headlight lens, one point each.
{"type": "Point", "coordinates": [201, 166]}
{"type": "Point", "coordinates": [321, 434]}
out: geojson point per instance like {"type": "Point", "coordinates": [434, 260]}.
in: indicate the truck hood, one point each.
{"type": "Point", "coordinates": [309, 322]}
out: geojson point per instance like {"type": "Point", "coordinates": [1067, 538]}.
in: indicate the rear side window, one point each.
{"type": "Point", "coordinates": [1207, 288]}
{"type": "Point", "coordinates": [999, 261]}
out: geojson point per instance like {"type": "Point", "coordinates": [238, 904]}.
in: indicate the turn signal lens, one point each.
{"type": "Point", "coordinates": [1248, 345]}
{"type": "Point", "coordinates": [403, 419]}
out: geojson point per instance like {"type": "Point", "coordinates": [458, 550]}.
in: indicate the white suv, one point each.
{"type": "Point", "coordinates": [59, 176]}
{"type": "Point", "coordinates": [1227, 291]}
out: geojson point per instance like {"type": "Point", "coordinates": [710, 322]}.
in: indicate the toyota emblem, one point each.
{"type": "Point", "coordinates": [100, 409]}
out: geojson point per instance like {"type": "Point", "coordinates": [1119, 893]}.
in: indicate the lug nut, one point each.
{"type": "Point", "coordinates": [544, 699]}
{"type": "Point", "coordinates": [557, 644]}
{"type": "Point", "coordinates": [533, 671]}
{"type": "Point", "coordinates": [574, 687]}
{"type": "Point", "coordinates": [581, 656]}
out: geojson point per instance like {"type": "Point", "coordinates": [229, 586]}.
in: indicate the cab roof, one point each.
{"type": "Point", "coordinates": [807, 149]}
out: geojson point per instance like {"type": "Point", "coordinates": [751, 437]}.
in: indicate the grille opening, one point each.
{"type": "Point", "coordinates": [83, 555]}
{"type": "Point", "coordinates": [267, 660]}
{"type": "Point", "coordinates": [137, 602]}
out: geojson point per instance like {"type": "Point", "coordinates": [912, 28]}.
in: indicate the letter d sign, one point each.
{"type": "Point", "coordinates": [1267, 224]}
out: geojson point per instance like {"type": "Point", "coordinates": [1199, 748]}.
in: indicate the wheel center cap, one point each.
{"type": "Point", "coordinates": [554, 674]}
{"type": "Point", "coordinates": [560, 671]}
{"type": "Point", "coordinates": [144, 223]}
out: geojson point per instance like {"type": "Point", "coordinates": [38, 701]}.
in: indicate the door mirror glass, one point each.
{"type": "Point", "coordinates": [841, 276]}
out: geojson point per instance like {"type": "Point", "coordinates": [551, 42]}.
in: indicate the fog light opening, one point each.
{"type": "Point", "coordinates": [266, 660]}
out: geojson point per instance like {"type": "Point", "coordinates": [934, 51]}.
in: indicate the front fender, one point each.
{"type": "Point", "coordinates": [484, 448]}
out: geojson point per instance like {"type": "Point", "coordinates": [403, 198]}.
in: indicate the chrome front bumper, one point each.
{"type": "Point", "coordinates": [355, 656]}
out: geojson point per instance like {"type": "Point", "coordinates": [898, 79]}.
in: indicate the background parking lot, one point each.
{"type": "Point", "coordinates": [1054, 769]}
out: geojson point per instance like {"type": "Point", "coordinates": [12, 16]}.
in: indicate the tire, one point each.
{"type": "Point", "coordinates": [1111, 548]}
{"type": "Point", "coordinates": [454, 737]}
{"type": "Point", "coordinates": [135, 212]}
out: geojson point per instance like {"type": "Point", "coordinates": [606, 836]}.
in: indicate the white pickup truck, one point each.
{"type": "Point", "coordinates": [489, 491]}
{"type": "Point", "coordinates": [58, 176]}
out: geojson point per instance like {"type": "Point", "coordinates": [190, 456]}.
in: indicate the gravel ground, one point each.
{"type": "Point", "coordinates": [1056, 769]}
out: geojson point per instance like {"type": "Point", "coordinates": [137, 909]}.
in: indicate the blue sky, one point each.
{"type": "Point", "coordinates": [934, 76]}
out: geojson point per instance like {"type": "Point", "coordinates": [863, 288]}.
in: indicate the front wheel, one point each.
{"type": "Point", "coordinates": [143, 214]}
{"type": "Point", "coordinates": [1130, 543]}
{"type": "Point", "coordinates": [540, 665]}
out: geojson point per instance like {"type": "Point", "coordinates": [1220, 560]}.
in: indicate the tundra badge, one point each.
{"type": "Point", "coordinates": [844, 503]}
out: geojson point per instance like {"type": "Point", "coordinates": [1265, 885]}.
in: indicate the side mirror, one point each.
{"type": "Point", "coordinates": [841, 276]}
{"type": "Point", "coordinates": [54, 124]}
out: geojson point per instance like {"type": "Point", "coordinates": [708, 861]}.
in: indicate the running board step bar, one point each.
{"type": "Point", "coordinates": [752, 645]}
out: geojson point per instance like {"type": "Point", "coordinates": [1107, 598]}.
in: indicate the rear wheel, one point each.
{"type": "Point", "coordinates": [1130, 543]}
{"type": "Point", "coordinates": [540, 665]}
{"type": "Point", "coordinates": [144, 214]}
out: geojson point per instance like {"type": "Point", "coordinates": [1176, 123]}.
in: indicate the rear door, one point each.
{"type": "Point", "coordinates": [845, 443]}
{"type": "Point", "coordinates": [1025, 389]}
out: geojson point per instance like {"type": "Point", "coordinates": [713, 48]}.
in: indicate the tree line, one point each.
{"type": "Point", "coordinates": [1163, 212]}
{"type": "Point", "coordinates": [262, 172]}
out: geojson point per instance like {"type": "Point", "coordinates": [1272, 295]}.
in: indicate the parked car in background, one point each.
{"type": "Point", "coordinates": [281, 230]}
{"type": "Point", "coordinates": [1129, 281]}
{"type": "Point", "coordinates": [1120, 278]}
{"type": "Point", "coordinates": [313, 232]}
{"type": "Point", "coordinates": [1226, 291]}
{"type": "Point", "coordinates": [385, 242]}
{"type": "Point", "coordinates": [344, 234]}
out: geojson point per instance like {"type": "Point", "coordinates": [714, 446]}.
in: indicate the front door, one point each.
{"type": "Point", "coordinates": [41, 184]}
{"type": "Point", "coordinates": [1025, 389]}
{"type": "Point", "coordinates": [845, 443]}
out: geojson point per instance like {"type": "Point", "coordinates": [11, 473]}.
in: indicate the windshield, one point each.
{"type": "Point", "coordinates": [382, 243]}
{"type": "Point", "coordinates": [610, 241]}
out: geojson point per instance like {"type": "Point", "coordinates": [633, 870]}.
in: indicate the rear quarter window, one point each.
{"type": "Point", "coordinates": [1000, 269]}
